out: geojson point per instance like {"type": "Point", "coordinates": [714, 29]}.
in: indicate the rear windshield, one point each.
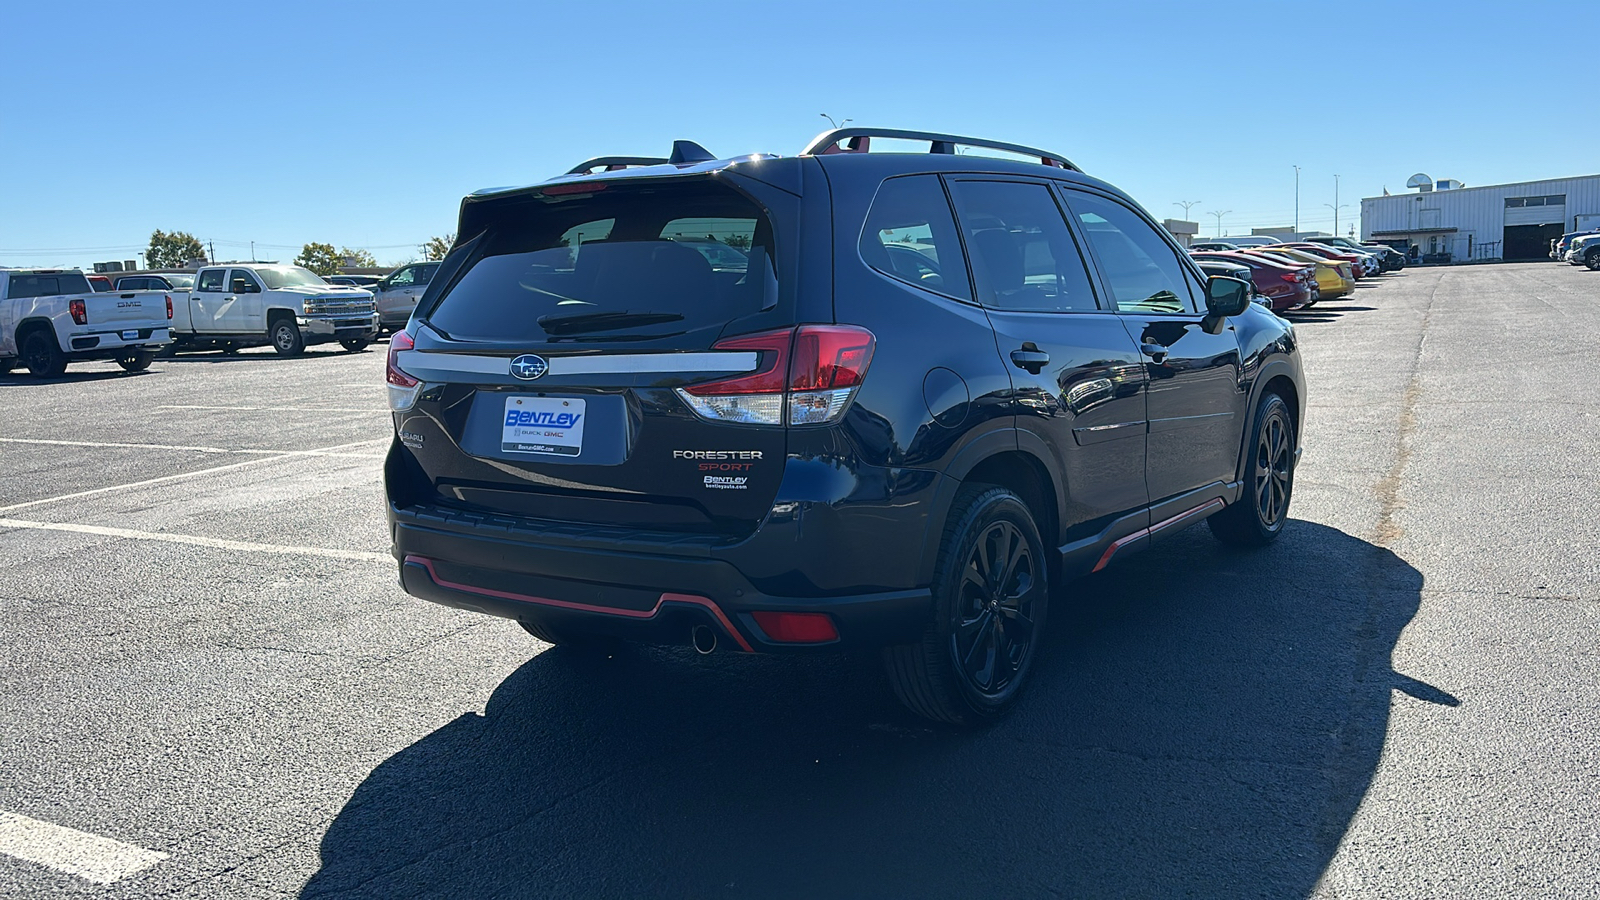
{"type": "Point", "coordinates": [627, 261]}
{"type": "Point", "coordinates": [48, 285]}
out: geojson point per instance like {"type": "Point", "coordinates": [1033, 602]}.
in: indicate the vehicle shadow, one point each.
{"type": "Point", "coordinates": [17, 378]}
{"type": "Point", "coordinates": [217, 356]}
{"type": "Point", "coordinates": [1205, 724]}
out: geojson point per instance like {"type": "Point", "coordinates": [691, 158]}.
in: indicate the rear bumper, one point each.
{"type": "Point", "coordinates": [647, 597]}
{"type": "Point", "coordinates": [110, 344]}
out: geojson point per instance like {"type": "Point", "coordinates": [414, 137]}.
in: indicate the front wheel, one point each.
{"type": "Point", "coordinates": [41, 355]}
{"type": "Point", "coordinates": [356, 345]}
{"type": "Point", "coordinates": [1258, 516]}
{"type": "Point", "coordinates": [286, 338]}
{"type": "Point", "coordinates": [1592, 260]}
{"type": "Point", "coordinates": [991, 593]}
{"type": "Point", "coordinates": [137, 361]}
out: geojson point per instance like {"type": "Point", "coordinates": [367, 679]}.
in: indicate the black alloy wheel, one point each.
{"type": "Point", "coordinates": [995, 629]}
{"type": "Point", "coordinates": [1258, 516]}
{"type": "Point", "coordinates": [1592, 259]}
{"type": "Point", "coordinates": [41, 355]}
{"type": "Point", "coordinates": [991, 594]}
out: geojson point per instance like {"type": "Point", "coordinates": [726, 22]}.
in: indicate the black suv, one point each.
{"type": "Point", "coordinates": [884, 399]}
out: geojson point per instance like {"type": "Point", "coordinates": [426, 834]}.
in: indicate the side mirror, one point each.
{"type": "Point", "coordinates": [1226, 296]}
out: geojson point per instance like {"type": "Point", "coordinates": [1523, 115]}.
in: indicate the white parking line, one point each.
{"type": "Point", "coordinates": [125, 446]}
{"type": "Point", "coordinates": [376, 408]}
{"type": "Point", "coordinates": [324, 451]}
{"type": "Point", "coordinates": [88, 856]}
{"type": "Point", "coordinates": [196, 540]}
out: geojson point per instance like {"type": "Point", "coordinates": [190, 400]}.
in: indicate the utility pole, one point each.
{"type": "Point", "coordinates": [1297, 202]}
{"type": "Point", "coordinates": [1219, 216]}
{"type": "Point", "coordinates": [1186, 204]}
{"type": "Point", "coordinates": [212, 251]}
{"type": "Point", "coordinates": [253, 250]}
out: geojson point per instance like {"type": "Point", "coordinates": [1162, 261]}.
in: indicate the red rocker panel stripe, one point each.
{"type": "Point", "coordinates": [1125, 540]}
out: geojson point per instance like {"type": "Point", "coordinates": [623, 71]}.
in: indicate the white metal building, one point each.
{"type": "Point", "coordinates": [1499, 221]}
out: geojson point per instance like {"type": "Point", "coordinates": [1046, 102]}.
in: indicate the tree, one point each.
{"type": "Point", "coordinates": [319, 258]}
{"type": "Point", "coordinates": [361, 259]}
{"type": "Point", "coordinates": [172, 250]}
{"type": "Point", "coordinates": [437, 247]}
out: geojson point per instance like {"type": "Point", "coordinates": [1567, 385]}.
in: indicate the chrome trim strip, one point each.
{"type": "Point", "coordinates": [610, 364]}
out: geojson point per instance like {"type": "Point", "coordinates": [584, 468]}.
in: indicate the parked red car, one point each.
{"type": "Point", "coordinates": [100, 284]}
{"type": "Point", "coordinates": [1286, 286]}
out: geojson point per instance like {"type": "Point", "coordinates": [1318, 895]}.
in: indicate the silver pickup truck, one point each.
{"type": "Point", "coordinates": [287, 307]}
{"type": "Point", "coordinates": [50, 317]}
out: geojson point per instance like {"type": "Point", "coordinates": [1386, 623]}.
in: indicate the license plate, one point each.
{"type": "Point", "coordinates": [547, 425]}
{"type": "Point", "coordinates": [130, 335]}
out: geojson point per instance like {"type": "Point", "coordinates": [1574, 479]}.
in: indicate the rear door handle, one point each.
{"type": "Point", "coordinates": [1156, 352]}
{"type": "Point", "coordinates": [1030, 357]}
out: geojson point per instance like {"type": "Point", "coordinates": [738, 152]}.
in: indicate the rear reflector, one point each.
{"type": "Point", "coordinates": [797, 628]}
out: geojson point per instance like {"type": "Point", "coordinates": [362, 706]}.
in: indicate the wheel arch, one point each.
{"type": "Point", "coordinates": [29, 325]}
{"type": "Point", "coordinates": [1276, 377]}
{"type": "Point", "coordinates": [1009, 458]}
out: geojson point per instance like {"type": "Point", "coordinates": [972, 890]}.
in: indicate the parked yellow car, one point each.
{"type": "Point", "coordinates": [1334, 279]}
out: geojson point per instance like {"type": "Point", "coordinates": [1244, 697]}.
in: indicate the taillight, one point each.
{"type": "Point", "coordinates": [169, 307]}
{"type": "Point", "coordinates": [1291, 276]}
{"type": "Point", "coordinates": [403, 388]}
{"type": "Point", "coordinates": [80, 313]}
{"type": "Point", "coordinates": [804, 376]}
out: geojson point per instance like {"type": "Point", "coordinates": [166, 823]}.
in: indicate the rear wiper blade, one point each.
{"type": "Point", "coordinates": [603, 321]}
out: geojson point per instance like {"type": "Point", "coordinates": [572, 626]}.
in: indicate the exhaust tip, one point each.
{"type": "Point", "coordinates": [704, 639]}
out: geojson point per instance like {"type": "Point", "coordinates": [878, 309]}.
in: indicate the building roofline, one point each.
{"type": "Point", "coordinates": [1481, 187]}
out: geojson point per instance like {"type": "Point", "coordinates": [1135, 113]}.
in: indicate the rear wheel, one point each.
{"type": "Point", "coordinates": [355, 345]}
{"type": "Point", "coordinates": [41, 355]}
{"type": "Point", "coordinates": [1592, 259]}
{"type": "Point", "coordinates": [286, 338]}
{"type": "Point", "coordinates": [1257, 517]}
{"type": "Point", "coordinates": [137, 361]}
{"type": "Point", "coordinates": [991, 592]}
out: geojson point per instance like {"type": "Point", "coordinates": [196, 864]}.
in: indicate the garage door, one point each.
{"type": "Point", "coordinates": [1551, 210]}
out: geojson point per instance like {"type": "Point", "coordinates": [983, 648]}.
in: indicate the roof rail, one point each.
{"type": "Point", "coordinates": [614, 163]}
{"type": "Point", "coordinates": [860, 141]}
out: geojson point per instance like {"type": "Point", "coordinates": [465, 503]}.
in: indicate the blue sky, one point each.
{"type": "Point", "coordinates": [363, 125]}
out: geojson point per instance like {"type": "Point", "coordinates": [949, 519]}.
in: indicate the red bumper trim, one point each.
{"type": "Point", "coordinates": [693, 599]}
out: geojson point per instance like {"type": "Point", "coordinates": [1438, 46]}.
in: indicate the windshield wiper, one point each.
{"type": "Point", "coordinates": [583, 323]}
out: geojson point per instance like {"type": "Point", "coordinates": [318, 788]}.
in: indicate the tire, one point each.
{"type": "Point", "coordinates": [286, 337]}
{"type": "Point", "coordinates": [230, 349]}
{"type": "Point", "coordinates": [991, 593]}
{"type": "Point", "coordinates": [41, 355]}
{"type": "Point", "coordinates": [1258, 516]}
{"type": "Point", "coordinates": [356, 345]}
{"type": "Point", "coordinates": [1592, 260]}
{"type": "Point", "coordinates": [137, 361]}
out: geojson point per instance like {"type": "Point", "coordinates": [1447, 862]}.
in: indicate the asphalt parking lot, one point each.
{"type": "Point", "coordinates": [213, 687]}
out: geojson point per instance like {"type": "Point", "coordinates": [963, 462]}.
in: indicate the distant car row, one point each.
{"type": "Point", "coordinates": [1580, 248]}
{"type": "Point", "coordinates": [1298, 274]}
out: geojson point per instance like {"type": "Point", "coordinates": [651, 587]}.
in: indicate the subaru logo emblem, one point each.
{"type": "Point", "coordinates": [528, 367]}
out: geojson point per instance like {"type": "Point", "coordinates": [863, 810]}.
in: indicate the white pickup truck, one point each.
{"type": "Point", "coordinates": [251, 304]}
{"type": "Point", "coordinates": [50, 317]}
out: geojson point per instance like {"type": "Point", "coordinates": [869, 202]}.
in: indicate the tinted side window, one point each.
{"type": "Point", "coordinates": [910, 236]}
{"type": "Point", "coordinates": [211, 280]}
{"type": "Point", "coordinates": [243, 281]}
{"type": "Point", "coordinates": [1141, 271]}
{"type": "Point", "coordinates": [1023, 257]}
{"type": "Point", "coordinates": [425, 273]}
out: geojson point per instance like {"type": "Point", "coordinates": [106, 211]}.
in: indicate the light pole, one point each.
{"type": "Point", "coordinates": [1186, 204]}
{"type": "Point", "coordinates": [836, 125]}
{"type": "Point", "coordinates": [1297, 202]}
{"type": "Point", "coordinates": [1219, 216]}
